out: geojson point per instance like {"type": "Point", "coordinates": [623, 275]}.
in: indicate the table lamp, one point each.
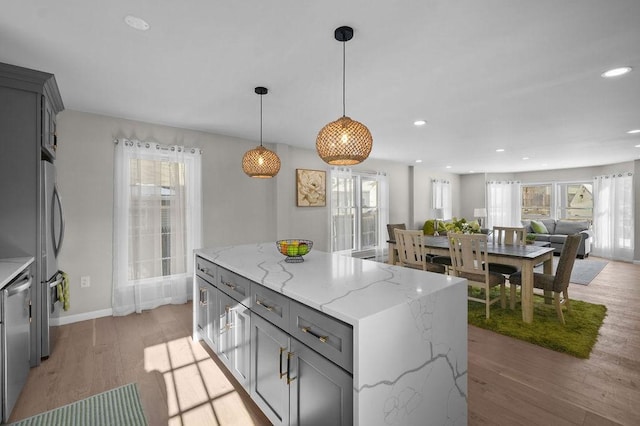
{"type": "Point", "coordinates": [480, 213]}
{"type": "Point", "coordinates": [438, 214]}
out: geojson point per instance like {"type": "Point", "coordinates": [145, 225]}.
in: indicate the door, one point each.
{"type": "Point", "coordinates": [234, 339]}
{"type": "Point", "coordinates": [49, 136]}
{"type": "Point", "coordinates": [269, 390]}
{"type": "Point", "coordinates": [16, 339]}
{"type": "Point", "coordinates": [202, 309]}
{"type": "Point", "coordinates": [212, 317]}
{"type": "Point", "coordinates": [52, 221]}
{"type": "Point", "coordinates": [320, 392]}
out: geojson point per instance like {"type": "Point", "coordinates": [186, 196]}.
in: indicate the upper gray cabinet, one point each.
{"type": "Point", "coordinates": [42, 87]}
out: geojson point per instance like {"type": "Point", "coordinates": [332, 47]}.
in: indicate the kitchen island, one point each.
{"type": "Point", "coordinates": [409, 353]}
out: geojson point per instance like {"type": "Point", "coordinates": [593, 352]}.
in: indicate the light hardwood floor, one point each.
{"type": "Point", "coordinates": [510, 382]}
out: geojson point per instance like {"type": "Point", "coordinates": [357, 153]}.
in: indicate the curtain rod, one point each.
{"type": "Point", "coordinates": [158, 145]}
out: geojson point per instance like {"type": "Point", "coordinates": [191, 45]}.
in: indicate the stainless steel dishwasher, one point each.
{"type": "Point", "coordinates": [16, 339]}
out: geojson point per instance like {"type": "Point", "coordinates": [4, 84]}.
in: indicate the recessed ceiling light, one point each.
{"type": "Point", "coordinates": [471, 171]}
{"type": "Point", "coordinates": [447, 167]}
{"type": "Point", "coordinates": [634, 131]}
{"type": "Point", "coordinates": [500, 150]}
{"type": "Point", "coordinates": [419, 122]}
{"type": "Point", "coordinates": [616, 72]}
{"type": "Point", "coordinates": [638, 146]}
{"type": "Point", "coordinates": [525, 158]}
{"type": "Point", "coordinates": [136, 23]}
{"type": "Point", "coordinates": [418, 161]}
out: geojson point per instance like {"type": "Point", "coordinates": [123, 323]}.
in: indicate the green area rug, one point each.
{"type": "Point", "coordinates": [575, 338]}
{"type": "Point", "coordinates": [116, 407]}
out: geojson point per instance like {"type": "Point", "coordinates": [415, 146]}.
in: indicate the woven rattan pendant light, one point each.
{"type": "Point", "coordinates": [261, 162]}
{"type": "Point", "coordinates": [344, 141]}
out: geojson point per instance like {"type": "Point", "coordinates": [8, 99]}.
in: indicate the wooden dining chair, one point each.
{"type": "Point", "coordinates": [392, 236]}
{"type": "Point", "coordinates": [513, 236]}
{"type": "Point", "coordinates": [411, 253]}
{"type": "Point", "coordinates": [557, 283]}
{"type": "Point", "coordinates": [469, 256]}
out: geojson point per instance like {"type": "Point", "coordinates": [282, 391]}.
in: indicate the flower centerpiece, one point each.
{"type": "Point", "coordinates": [461, 226]}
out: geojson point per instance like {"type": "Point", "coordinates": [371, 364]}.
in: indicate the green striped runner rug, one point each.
{"type": "Point", "coordinates": [116, 407]}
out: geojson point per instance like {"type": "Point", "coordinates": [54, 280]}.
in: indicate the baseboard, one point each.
{"type": "Point", "coordinates": [70, 319]}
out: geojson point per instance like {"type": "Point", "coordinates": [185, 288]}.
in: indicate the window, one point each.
{"type": "Point", "coordinates": [536, 201]}
{"type": "Point", "coordinates": [359, 205]}
{"type": "Point", "coordinates": [441, 197]}
{"type": "Point", "coordinates": [575, 201]}
{"type": "Point", "coordinates": [157, 224]}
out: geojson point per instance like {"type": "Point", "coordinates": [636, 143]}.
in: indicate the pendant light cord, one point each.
{"type": "Point", "coordinates": [344, 59]}
{"type": "Point", "coordinates": [260, 120]}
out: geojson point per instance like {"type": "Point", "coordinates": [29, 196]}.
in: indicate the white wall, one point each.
{"type": "Point", "coordinates": [472, 194]}
{"type": "Point", "coordinates": [422, 208]}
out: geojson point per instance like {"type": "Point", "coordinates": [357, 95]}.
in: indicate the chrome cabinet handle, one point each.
{"type": "Point", "coordinates": [231, 286]}
{"type": "Point", "coordinates": [323, 339]}
{"type": "Point", "coordinates": [267, 307]}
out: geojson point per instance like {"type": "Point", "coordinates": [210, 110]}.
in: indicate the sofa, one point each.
{"type": "Point", "coordinates": [557, 231]}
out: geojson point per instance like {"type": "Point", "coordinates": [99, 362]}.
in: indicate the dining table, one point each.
{"type": "Point", "coordinates": [525, 257]}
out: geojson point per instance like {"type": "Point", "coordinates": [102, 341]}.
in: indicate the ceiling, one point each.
{"type": "Point", "coordinates": [523, 76]}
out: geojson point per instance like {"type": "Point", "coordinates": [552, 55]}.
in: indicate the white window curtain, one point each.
{"type": "Point", "coordinates": [441, 197]}
{"type": "Point", "coordinates": [613, 216]}
{"type": "Point", "coordinates": [503, 203]}
{"type": "Point", "coordinates": [157, 224]}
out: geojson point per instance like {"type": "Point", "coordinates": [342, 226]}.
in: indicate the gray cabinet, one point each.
{"type": "Point", "coordinates": [29, 102]}
{"type": "Point", "coordinates": [234, 339]}
{"type": "Point", "coordinates": [206, 312]}
{"type": "Point", "coordinates": [269, 388]}
{"type": "Point", "coordinates": [206, 306]}
{"type": "Point", "coordinates": [293, 384]}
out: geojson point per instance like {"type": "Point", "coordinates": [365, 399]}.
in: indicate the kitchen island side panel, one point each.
{"type": "Point", "coordinates": [412, 362]}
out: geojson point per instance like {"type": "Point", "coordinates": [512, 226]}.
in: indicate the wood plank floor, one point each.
{"type": "Point", "coordinates": [510, 382]}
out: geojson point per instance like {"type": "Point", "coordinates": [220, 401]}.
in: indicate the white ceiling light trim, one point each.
{"type": "Point", "coordinates": [136, 23]}
{"type": "Point", "coordinates": [616, 72]}
{"type": "Point", "coordinates": [419, 123]}
{"type": "Point", "coordinates": [634, 131]}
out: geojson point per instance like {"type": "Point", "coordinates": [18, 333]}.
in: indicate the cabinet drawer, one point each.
{"type": "Point", "coordinates": [205, 269]}
{"type": "Point", "coordinates": [326, 335]}
{"type": "Point", "coordinates": [235, 286]}
{"type": "Point", "coordinates": [271, 305]}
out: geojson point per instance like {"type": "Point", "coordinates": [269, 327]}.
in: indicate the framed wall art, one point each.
{"type": "Point", "coordinates": [311, 188]}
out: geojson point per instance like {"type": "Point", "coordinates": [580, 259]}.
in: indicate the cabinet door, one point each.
{"type": "Point", "coordinates": [269, 390]}
{"type": "Point", "coordinates": [201, 309]}
{"type": "Point", "coordinates": [49, 136]}
{"type": "Point", "coordinates": [225, 343]}
{"type": "Point", "coordinates": [241, 343]}
{"type": "Point", "coordinates": [212, 317]}
{"type": "Point", "coordinates": [320, 392]}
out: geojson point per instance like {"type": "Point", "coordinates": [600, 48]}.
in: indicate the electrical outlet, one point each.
{"type": "Point", "coordinates": [85, 281]}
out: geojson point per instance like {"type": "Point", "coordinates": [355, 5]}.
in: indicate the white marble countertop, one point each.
{"type": "Point", "coordinates": [344, 287]}
{"type": "Point", "coordinates": [10, 268]}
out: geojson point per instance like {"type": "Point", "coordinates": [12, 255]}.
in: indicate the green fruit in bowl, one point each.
{"type": "Point", "coordinates": [292, 250]}
{"type": "Point", "coordinates": [303, 249]}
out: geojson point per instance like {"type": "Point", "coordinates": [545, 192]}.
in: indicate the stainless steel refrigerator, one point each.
{"type": "Point", "coordinates": [52, 226]}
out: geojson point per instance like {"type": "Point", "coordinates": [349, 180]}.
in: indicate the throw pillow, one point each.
{"type": "Point", "coordinates": [429, 227]}
{"type": "Point", "coordinates": [538, 227]}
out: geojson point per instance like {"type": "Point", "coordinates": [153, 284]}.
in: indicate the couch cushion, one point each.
{"type": "Point", "coordinates": [539, 227]}
{"type": "Point", "coordinates": [569, 227]}
{"type": "Point", "coordinates": [542, 237]}
{"type": "Point", "coordinates": [550, 224]}
{"type": "Point", "coordinates": [557, 238]}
